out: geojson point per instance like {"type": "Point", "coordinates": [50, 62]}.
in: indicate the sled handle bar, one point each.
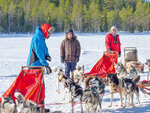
{"type": "Point", "coordinates": [32, 67]}
{"type": "Point", "coordinates": [111, 52]}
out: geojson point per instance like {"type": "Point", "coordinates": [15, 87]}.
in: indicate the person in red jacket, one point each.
{"type": "Point", "coordinates": [112, 41]}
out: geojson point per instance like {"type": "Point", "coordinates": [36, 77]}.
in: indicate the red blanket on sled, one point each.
{"type": "Point", "coordinates": [30, 84]}
{"type": "Point", "coordinates": [104, 65]}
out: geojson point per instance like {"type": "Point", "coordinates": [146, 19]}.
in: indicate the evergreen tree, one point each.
{"type": "Point", "coordinates": [79, 15]}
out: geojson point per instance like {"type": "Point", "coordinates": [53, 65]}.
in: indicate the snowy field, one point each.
{"type": "Point", "coordinates": [14, 51]}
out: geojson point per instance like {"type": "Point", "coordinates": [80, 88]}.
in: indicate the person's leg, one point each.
{"type": "Point", "coordinates": [73, 66]}
{"type": "Point", "coordinates": [67, 68]}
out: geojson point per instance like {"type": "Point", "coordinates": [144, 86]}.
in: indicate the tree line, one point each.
{"type": "Point", "coordinates": [22, 16]}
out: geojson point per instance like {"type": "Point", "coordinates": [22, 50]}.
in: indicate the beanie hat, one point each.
{"type": "Point", "coordinates": [45, 28]}
{"type": "Point", "coordinates": [70, 31]}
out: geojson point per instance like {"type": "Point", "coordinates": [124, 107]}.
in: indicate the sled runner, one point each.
{"type": "Point", "coordinates": [131, 58]}
{"type": "Point", "coordinates": [30, 83]}
{"type": "Point", "coordinates": [104, 65]}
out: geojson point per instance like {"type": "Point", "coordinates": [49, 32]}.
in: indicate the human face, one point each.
{"type": "Point", "coordinates": [114, 31]}
{"type": "Point", "coordinates": [69, 35]}
{"type": "Point", "coordinates": [48, 34]}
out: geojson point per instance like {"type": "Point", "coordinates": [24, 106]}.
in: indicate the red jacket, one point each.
{"type": "Point", "coordinates": [112, 43]}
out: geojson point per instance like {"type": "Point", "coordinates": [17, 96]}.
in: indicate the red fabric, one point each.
{"type": "Point", "coordinates": [45, 28]}
{"type": "Point", "coordinates": [109, 43]}
{"type": "Point", "coordinates": [28, 83]}
{"type": "Point", "coordinates": [104, 65]}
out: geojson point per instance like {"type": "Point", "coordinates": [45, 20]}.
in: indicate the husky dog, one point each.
{"type": "Point", "coordinates": [133, 72]}
{"type": "Point", "coordinates": [77, 75]}
{"type": "Point", "coordinates": [69, 85]}
{"type": "Point", "coordinates": [76, 92]}
{"type": "Point", "coordinates": [147, 63]}
{"type": "Point", "coordinates": [24, 106]}
{"type": "Point", "coordinates": [61, 78]}
{"type": "Point", "coordinates": [130, 88]}
{"type": "Point", "coordinates": [130, 65]}
{"type": "Point", "coordinates": [7, 105]}
{"type": "Point", "coordinates": [92, 101]}
{"type": "Point", "coordinates": [120, 70]}
{"type": "Point", "coordinates": [115, 85]}
{"type": "Point", "coordinates": [96, 84]}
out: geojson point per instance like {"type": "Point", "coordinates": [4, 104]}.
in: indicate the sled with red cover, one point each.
{"type": "Point", "coordinates": [104, 65]}
{"type": "Point", "coordinates": [30, 83]}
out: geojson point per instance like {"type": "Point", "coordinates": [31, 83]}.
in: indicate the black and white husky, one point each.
{"type": "Point", "coordinates": [61, 78]}
{"type": "Point", "coordinates": [130, 88]}
{"type": "Point", "coordinates": [94, 94]}
{"type": "Point", "coordinates": [76, 92]}
{"type": "Point", "coordinates": [70, 87]}
{"type": "Point", "coordinates": [23, 106]}
{"type": "Point", "coordinates": [115, 86]}
{"type": "Point", "coordinates": [7, 105]}
{"type": "Point", "coordinates": [120, 70]}
{"type": "Point", "coordinates": [77, 75]}
{"type": "Point", "coordinates": [92, 100]}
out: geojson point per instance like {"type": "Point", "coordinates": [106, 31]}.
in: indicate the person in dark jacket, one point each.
{"type": "Point", "coordinates": [70, 52]}
{"type": "Point", "coordinates": [112, 41]}
{"type": "Point", "coordinates": [38, 53]}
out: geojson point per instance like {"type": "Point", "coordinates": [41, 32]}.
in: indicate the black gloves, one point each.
{"type": "Point", "coordinates": [48, 58]}
{"type": "Point", "coordinates": [77, 59]}
{"type": "Point", "coordinates": [62, 59]}
{"type": "Point", "coordinates": [48, 69]}
{"type": "Point", "coordinates": [119, 53]}
{"type": "Point", "coordinates": [109, 49]}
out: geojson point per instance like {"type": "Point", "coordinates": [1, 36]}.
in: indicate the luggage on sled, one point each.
{"type": "Point", "coordinates": [131, 58]}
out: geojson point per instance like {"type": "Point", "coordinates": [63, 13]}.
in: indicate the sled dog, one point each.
{"type": "Point", "coordinates": [7, 105]}
{"type": "Point", "coordinates": [77, 75]}
{"type": "Point", "coordinates": [120, 70]}
{"type": "Point", "coordinates": [76, 92]}
{"type": "Point", "coordinates": [96, 85]}
{"type": "Point", "coordinates": [130, 88]}
{"type": "Point", "coordinates": [23, 106]}
{"type": "Point", "coordinates": [92, 100]}
{"type": "Point", "coordinates": [115, 85]}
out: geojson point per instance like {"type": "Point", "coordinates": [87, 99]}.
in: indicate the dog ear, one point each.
{"type": "Point", "coordinates": [54, 69]}
{"type": "Point", "coordinates": [78, 67]}
{"type": "Point", "coordinates": [83, 67]}
{"type": "Point", "coordinates": [136, 79]}
{"type": "Point", "coordinates": [120, 62]}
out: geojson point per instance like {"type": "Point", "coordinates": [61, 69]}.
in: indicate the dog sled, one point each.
{"type": "Point", "coordinates": [131, 59]}
{"type": "Point", "coordinates": [145, 86]}
{"type": "Point", "coordinates": [30, 83]}
{"type": "Point", "coordinates": [104, 65]}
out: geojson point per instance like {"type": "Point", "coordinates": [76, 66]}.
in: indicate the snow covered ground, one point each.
{"type": "Point", "coordinates": [14, 51]}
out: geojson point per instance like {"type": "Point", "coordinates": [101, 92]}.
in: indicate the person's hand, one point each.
{"type": "Point", "coordinates": [77, 59]}
{"type": "Point", "coordinates": [109, 49]}
{"type": "Point", "coordinates": [119, 53]}
{"type": "Point", "coordinates": [62, 60]}
{"type": "Point", "coordinates": [48, 58]}
{"type": "Point", "coordinates": [48, 69]}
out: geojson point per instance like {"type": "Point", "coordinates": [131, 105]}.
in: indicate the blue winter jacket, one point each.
{"type": "Point", "coordinates": [38, 50]}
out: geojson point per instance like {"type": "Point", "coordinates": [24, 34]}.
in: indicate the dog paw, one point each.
{"type": "Point", "coordinates": [58, 91]}
{"type": "Point", "coordinates": [110, 106]}
{"type": "Point", "coordinates": [124, 106]}
{"type": "Point", "coordinates": [132, 105]}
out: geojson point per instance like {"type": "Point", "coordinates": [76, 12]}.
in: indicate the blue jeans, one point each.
{"type": "Point", "coordinates": [69, 66]}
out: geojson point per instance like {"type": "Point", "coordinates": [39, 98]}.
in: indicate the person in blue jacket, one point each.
{"type": "Point", "coordinates": [38, 54]}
